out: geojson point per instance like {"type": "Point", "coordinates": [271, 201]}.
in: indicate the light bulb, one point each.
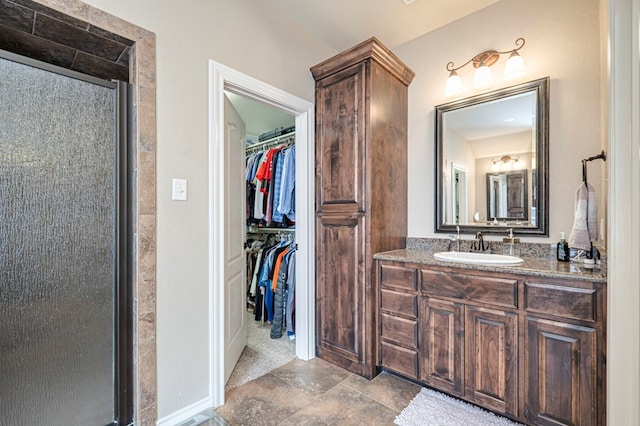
{"type": "Point", "coordinates": [454, 85]}
{"type": "Point", "coordinates": [482, 78]}
{"type": "Point", "coordinates": [514, 68]}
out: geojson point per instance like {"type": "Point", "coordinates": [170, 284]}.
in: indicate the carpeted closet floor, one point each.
{"type": "Point", "coordinates": [262, 354]}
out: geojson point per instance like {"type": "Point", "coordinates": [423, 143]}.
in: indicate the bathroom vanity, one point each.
{"type": "Point", "coordinates": [525, 341]}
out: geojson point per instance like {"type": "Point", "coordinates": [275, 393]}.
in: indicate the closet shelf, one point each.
{"type": "Point", "coordinates": [269, 143]}
{"type": "Point", "coordinates": [267, 230]}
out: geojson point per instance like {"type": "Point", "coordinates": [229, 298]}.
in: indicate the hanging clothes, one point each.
{"type": "Point", "coordinates": [272, 284]}
{"type": "Point", "coordinates": [280, 294]}
{"type": "Point", "coordinates": [286, 202]}
{"type": "Point", "coordinates": [290, 296]}
{"type": "Point", "coordinates": [270, 177]}
{"type": "Point", "coordinates": [270, 197]}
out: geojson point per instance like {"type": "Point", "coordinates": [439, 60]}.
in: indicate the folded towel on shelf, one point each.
{"type": "Point", "coordinates": [585, 221]}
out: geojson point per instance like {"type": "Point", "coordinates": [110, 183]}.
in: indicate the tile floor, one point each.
{"type": "Point", "coordinates": [316, 393]}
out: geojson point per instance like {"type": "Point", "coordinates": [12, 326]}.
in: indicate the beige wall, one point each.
{"type": "Point", "coordinates": [562, 42]}
{"type": "Point", "coordinates": [241, 35]}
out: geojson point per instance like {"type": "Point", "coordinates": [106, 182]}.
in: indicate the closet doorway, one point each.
{"type": "Point", "coordinates": [221, 79]}
{"type": "Point", "coordinates": [260, 142]}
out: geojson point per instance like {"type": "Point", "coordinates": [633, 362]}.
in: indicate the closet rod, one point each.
{"type": "Point", "coordinates": [259, 146]}
{"type": "Point", "coordinates": [265, 230]}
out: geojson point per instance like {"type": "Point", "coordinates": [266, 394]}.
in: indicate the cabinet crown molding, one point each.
{"type": "Point", "coordinates": [368, 49]}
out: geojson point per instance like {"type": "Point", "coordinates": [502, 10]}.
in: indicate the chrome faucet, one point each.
{"type": "Point", "coordinates": [455, 238]}
{"type": "Point", "coordinates": [478, 243]}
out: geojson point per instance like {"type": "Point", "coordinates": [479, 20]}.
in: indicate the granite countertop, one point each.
{"type": "Point", "coordinates": [542, 267]}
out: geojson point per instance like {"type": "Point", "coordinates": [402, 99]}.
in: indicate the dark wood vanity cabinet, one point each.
{"type": "Point", "coordinates": [564, 346]}
{"type": "Point", "coordinates": [491, 358]}
{"type": "Point", "coordinates": [441, 354]}
{"type": "Point", "coordinates": [470, 333]}
{"type": "Point", "coordinates": [398, 316]}
{"type": "Point", "coordinates": [561, 373]}
{"type": "Point", "coordinates": [361, 195]}
{"type": "Point", "coordinates": [531, 348]}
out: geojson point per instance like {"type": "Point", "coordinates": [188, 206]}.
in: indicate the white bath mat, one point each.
{"type": "Point", "coordinates": [431, 408]}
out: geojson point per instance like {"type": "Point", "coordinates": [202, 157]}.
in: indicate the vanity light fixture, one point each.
{"type": "Point", "coordinates": [513, 69]}
{"type": "Point", "coordinates": [506, 162]}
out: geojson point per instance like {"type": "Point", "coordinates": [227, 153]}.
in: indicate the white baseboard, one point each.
{"type": "Point", "coordinates": [185, 413]}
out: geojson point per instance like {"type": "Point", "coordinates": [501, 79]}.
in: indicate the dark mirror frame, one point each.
{"type": "Point", "coordinates": [541, 89]}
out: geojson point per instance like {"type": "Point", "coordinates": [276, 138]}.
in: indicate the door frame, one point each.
{"type": "Point", "coordinates": [223, 78]}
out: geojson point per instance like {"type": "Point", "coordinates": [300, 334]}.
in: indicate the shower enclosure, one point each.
{"type": "Point", "coordinates": [65, 303]}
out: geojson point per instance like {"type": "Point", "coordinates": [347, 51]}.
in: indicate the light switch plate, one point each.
{"type": "Point", "coordinates": [179, 192]}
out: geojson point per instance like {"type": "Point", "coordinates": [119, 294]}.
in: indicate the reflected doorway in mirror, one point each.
{"type": "Point", "coordinates": [458, 194]}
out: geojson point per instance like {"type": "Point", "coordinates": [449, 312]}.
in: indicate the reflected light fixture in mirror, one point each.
{"type": "Point", "coordinates": [506, 162]}
{"type": "Point", "coordinates": [514, 68]}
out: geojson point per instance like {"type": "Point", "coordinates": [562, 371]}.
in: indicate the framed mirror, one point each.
{"type": "Point", "coordinates": [492, 161]}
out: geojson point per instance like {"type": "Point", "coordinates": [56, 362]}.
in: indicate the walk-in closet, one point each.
{"type": "Point", "coordinates": [269, 240]}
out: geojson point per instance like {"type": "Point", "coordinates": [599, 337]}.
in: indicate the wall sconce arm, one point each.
{"type": "Point", "coordinates": [488, 57]}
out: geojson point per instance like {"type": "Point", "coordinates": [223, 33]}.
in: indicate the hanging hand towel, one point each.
{"type": "Point", "coordinates": [585, 222]}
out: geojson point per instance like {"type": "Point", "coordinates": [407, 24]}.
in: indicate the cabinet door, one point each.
{"type": "Point", "coordinates": [343, 296]}
{"type": "Point", "coordinates": [441, 345]}
{"type": "Point", "coordinates": [340, 139]}
{"type": "Point", "coordinates": [560, 373]}
{"type": "Point", "coordinates": [491, 358]}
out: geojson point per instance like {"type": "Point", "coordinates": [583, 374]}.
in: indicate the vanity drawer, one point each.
{"type": "Point", "coordinates": [399, 303]}
{"type": "Point", "coordinates": [577, 302]}
{"type": "Point", "coordinates": [398, 277]}
{"type": "Point", "coordinates": [494, 291]}
{"type": "Point", "coordinates": [400, 360]}
{"type": "Point", "coordinates": [398, 330]}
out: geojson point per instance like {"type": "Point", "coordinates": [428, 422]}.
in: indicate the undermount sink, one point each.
{"type": "Point", "coordinates": [478, 258]}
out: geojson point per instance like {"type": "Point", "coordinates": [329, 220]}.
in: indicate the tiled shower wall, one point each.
{"type": "Point", "coordinates": [142, 74]}
{"type": "Point", "coordinates": [39, 32]}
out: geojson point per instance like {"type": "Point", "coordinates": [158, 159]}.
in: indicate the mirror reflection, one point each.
{"type": "Point", "coordinates": [492, 161]}
{"type": "Point", "coordinates": [507, 197]}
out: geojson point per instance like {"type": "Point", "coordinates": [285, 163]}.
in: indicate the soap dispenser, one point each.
{"type": "Point", "coordinates": [510, 244]}
{"type": "Point", "coordinates": [563, 254]}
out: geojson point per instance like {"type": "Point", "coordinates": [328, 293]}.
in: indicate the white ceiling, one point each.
{"type": "Point", "coordinates": [341, 24]}
{"type": "Point", "coordinates": [259, 117]}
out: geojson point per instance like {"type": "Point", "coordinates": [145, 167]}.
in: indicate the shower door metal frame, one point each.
{"type": "Point", "coordinates": [124, 185]}
{"type": "Point", "coordinates": [124, 256]}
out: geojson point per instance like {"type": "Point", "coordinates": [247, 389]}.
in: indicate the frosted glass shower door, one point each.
{"type": "Point", "coordinates": [58, 248]}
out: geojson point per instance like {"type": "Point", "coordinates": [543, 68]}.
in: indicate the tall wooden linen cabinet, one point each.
{"type": "Point", "coordinates": [361, 194]}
